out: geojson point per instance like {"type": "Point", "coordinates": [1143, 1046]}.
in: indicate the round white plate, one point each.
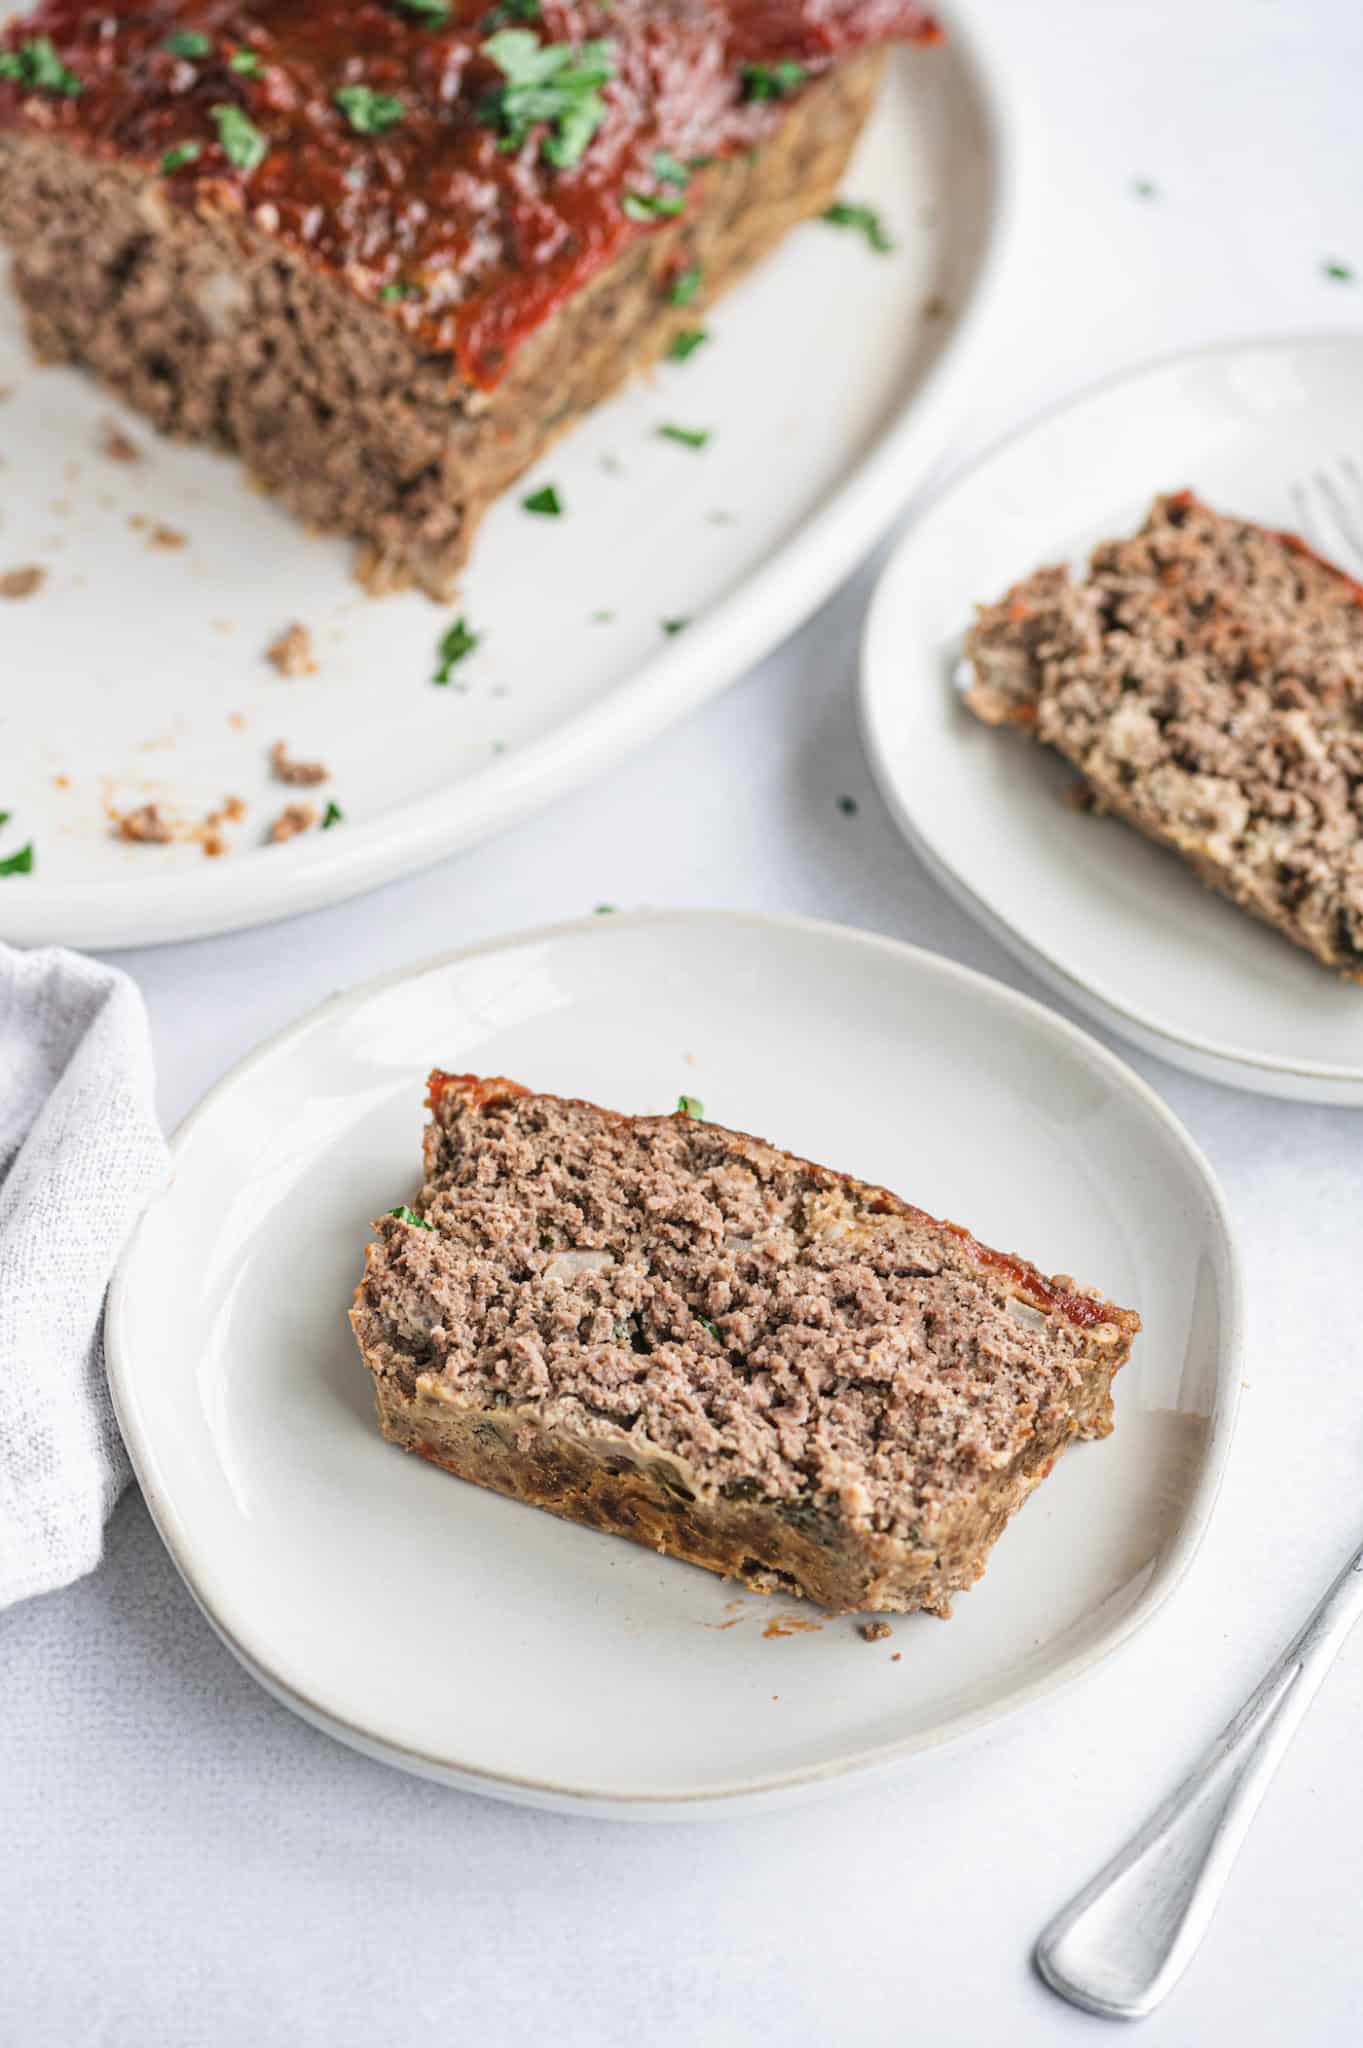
{"type": "Point", "coordinates": [142, 668]}
{"type": "Point", "coordinates": [487, 1644]}
{"type": "Point", "coordinates": [1122, 929]}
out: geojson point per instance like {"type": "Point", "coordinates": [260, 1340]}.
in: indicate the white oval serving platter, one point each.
{"type": "Point", "coordinates": [1122, 929]}
{"type": "Point", "coordinates": [137, 672]}
{"type": "Point", "coordinates": [488, 1645]}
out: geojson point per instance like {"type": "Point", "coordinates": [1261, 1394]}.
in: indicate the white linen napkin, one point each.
{"type": "Point", "coordinates": [80, 1153]}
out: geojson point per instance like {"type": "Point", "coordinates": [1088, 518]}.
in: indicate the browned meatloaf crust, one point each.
{"type": "Point", "coordinates": [1206, 678]}
{"type": "Point", "coordinates": [327, 238]}
{"type": "Point", "coordinates": [677, 1333]}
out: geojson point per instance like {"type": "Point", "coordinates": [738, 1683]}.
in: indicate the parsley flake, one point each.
{"type": "Point", "coordinates": [652, 205]}
{"type": "Point", "coordinates": [545, 500]}
{"type": "Point", "coordinates": [604, 910]}
{"type": "Point", "coordinates": [245, 63]}
{"type": "Point", "coordinates": [556, 84]}
{"type": "Point", "coordinates": [1340, 272]}
{"type": "Point", "coordinates": [685, 343]}
{"type": "Point", "coordinates": [242, 142]}
{"type": "Point", "coordinates": [669, 170]}
{"type": "Point", "coordinates": [368, 111]}
{"type": "Point", "coordinates": [36, 63]}
{"type": "Point", "coordinates": [399, 290]}
{"type": "Point", "coordinates": [454, 645]}
{"type": "Point", "coordinates": [183, 153]}
{"type": "Point", "coordinates": [1145, 188]}
{"type": "Point", "coordinates": [5, 817]}
{"type": "Point", "coordinates": [189, 42]}
{"type": "Point", "coordinates": [690, 1105]}
{"type": "Point", "coordinates": [684, 286]}
{"type": "Point", "coordinates": [772, 81]}
{"type": "Point", "coordinates": [712, 1328]}
{"type": "Point", "coordinates": [406, 1215]}
{"type": "Point", "coordinates": [848, 806]}
{"type": "Point", "coordinates": [332, 815]}
{"type": "Point", "coordinates": [20, 863]}
{"type": "Point", "coordinates": [673, 626]}
{"type": "Point", "coordinates": [845, 214]}
{"type": "Point", "coordinates": [511, 10]}
{"type": "Point", "coordinates": [430, 13]}
{"type": "Point", "coordinates": [689, 437]}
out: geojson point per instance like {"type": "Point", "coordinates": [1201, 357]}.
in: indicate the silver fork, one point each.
{"type": "Point", "coordinates": [1127, 1938]}
{"type": "Point", "coordinates": [1329, 509]}
{"type": "Point", "coordinates": [1129, 1935]}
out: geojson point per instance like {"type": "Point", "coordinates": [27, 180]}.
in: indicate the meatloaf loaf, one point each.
{"type": "Point", "coordinates": [387, 250]}
{"type": "Point", "coordinates": [679, 1334]}
{"type": "Point", "coordinates": [1206, 678]}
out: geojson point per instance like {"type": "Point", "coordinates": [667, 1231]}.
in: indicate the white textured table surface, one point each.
{"type": "Point", "coordinates": [183, 1863]}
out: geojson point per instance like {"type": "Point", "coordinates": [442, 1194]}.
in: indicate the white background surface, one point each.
{"type": "Point", "coordinates": [185, 1863]}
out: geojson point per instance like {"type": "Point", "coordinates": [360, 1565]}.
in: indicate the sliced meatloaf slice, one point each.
{"type": "Point", "coordinates": [1206, 678]}
{"type": "Point", "coordinates": [680, 1334]}
{"type": "Point", "coordinates": [386, 253]}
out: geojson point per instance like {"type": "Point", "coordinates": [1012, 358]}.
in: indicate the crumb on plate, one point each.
{"type": "Point", "coordinates": [303, 774]}
{"type": "Point", "coordinates": [22, 582]}
{"type": "Point", "coordinates": [293, 653]}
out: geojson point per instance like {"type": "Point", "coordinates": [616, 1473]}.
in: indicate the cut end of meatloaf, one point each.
{"type": "Point", "coordinates": [379, 305]}
{"type": "Point", "coordinates": [678, 1333]}
{"type": "Point", "coordinates": [1206, 678]}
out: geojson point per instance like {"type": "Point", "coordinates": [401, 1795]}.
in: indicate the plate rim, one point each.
{"type": "Point", "coordinates": [1225, 1062]}
{"type": "Point", "coordinates": [746, 1794]}
{"type": "Point", "coordinates": [725, 642]}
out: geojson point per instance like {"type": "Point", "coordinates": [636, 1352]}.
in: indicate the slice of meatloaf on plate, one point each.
{"type": "Point", "coordinates": [1206, 678]}
{"type": "Point", "coordinates": [386, 252]}
{"type": "Point", "coordinates": [678, 1333]}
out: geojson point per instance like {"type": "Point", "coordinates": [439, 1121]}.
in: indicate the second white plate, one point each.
{"type": "Point", "coordinates": [484, 1643]}
{"type": "Point", "coordinates": [1122, 929]}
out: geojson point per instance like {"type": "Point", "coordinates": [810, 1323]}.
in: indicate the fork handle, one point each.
{"type": "Point", "coordinates": [1127, 1938]}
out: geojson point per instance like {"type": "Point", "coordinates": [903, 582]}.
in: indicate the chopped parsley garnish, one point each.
{"type": "Point", "coordinates": [242, 142]}
{"type": "Point", "coordinates": [545, 500]}
{"type": "Point", "coordinates": [652, 205]}
{"type": "Point", "coordinates": [399, 290]}
{"type": "Point", "coordinates": [558, 84]}
{"type": "Point", "coordinates": [689, 437]}
{"type": "Point", "coordinates": [604, 910]}
{"type": "Point", "coordinates": [1340, 272]}
{"type": "Point", "coordinates": [603, 619]}
{"type": "Point", "coordinates": [36, 63]}
{"type": "Point", "coordinates": [245, 63]}
{"type": "Point", "coordinates": [706, 1324]}
{"type": "Point", "coordinates": [20, 863]}
{"type": "Point", "coordinates": [332, 815]}
{"type": "Point", "coordinates": [848, 806]}
{"type": "Point", "coordinates": [671, 626]}
{"type": "Point", "coordinates": [690, 1105]}
{"type": "Point", "coordinates": [845, 214]}
{"type": "Point", "coordinates": [686, 342]}
{"type": "Point", "coordinates": [183, 153]}
{"type": "Point", "coordinates": [1145, 188]}
{"type": "Point", "coordinates": [454, 645]}
{"type": "Point", "coordinates": [189, 42]}
{"type": "Point", "coordinates": [5, 817]}
{"type": "Point", "coordinates": [684, 286]}
{"type": "Point", "coordinates": [369, 111]}
{"type": "Point", "coordinates": [669, 170]}
{"type": "Point", "coordinates": [511, 10]}
{"type": "Point", "coordinates": [772, 81]}
{"type": "Point", "coordinates": [406, 1215]}
{"type": "Point", "coordinates": [433, 13]}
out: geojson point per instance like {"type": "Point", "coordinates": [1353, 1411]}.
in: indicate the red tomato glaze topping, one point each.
{"type": "Point", "coordinates": [467, 164]}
